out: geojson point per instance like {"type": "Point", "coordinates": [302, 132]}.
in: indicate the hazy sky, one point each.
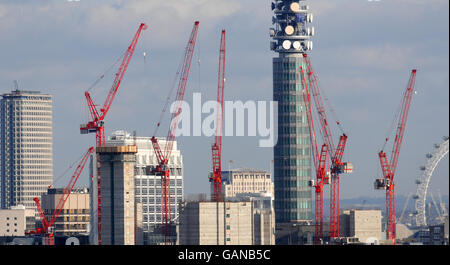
{"type": "Point", "coordinates": [363, 54]}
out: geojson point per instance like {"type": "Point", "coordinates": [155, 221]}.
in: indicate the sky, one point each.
{"type": "Point", "coordinates": [363, 55]}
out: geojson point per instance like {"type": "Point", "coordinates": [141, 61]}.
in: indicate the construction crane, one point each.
{"type": "Point", "coordinates": [47, 225]}
{"type": "Point", "coordinates": [388, 169]}
{"type": "Point", "coordinates": [320, 164]}
{"type": "Point", "coordinates": [162, 168]}
{"type": "Point", "coordinates": [97, 124]}
{"type": "Point", "coordinates": [335, 154]}
{"type": "Point", "coordinates": [216, 177]}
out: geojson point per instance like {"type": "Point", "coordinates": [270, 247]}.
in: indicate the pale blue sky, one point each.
{"type": "Point", "coordinates": [363, 54]}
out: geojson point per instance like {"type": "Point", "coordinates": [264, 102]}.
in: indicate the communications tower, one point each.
{"type": "Point", "coordinates": [291, 34]}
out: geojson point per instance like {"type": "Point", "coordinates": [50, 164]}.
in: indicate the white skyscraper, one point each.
{"type": "Point", "coordinates": [26, 149]}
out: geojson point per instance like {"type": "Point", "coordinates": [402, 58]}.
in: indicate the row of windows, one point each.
{"type": "Point", "coordinates": [20, 124]}
{"type": "Point", "coordinates": [149, 159]}
{"type": "Point", "coordinates": [33, 186]}
{"type": "Point", "coordinates": [70, 226]}
{"type": "Point", "coordinates": [291, 140]}
{"type": "Point", "coordinates": [151, 218]}
{"type": "Point", "coordinates": [283, 119]}
{"type": "Point", "coordinates": [294, 172]}
{"type": "Point", "coordinates": [8, 136]}
{"type": "Point", "coordinates": [292, 195]}
{"type": "Point", "coordinates": [242, 176]}
{"type": "Point", "coordinates": [289, 98]}
{"type": "Point", "coordinates": [158, 191]}
{"type": "Point", "coordinates": [30, 167]}
{"type": "Point", "coordinates": [7, 231]}
{"type": "Point", "coordinates": [28, 163]}
{"type": "Point", "coordinates": [29, 100]}
{"type": "Point", "coordinates": [152, 199]}
{"type": "Point", "coordinates": [293, 108]}
{"type": "Point", "coordinates": [18, 150]}
{"type": "Point", "coordinates": [30, 172]}
{"type": "Point", "coordinates": [18, 107]}
{"type": "Point", "coordinates": [251, 184]}
{"type": "Point", "coordinates": [292, 65]}
{"type": "Point", "coordinates": [18, 115]}
{"type": "Point", "coordinates": [32, 156]}
{"type": "Point", "coordinates": [31, 129]}
{"type": "Point", "coordinates": [33, 140]}
{"type": "Point", "coordinates": [32, 118]}
{"type": "Point", "coordinates": [157, 182]}
{"type": "Point", "coordinates": [296, 130]}
{"type": "Point", "coordinates": [292, 151]}
{"type": "Point", "coordinates": [68, 211]}
{"type": "Point", "coordinates": [294, 205]}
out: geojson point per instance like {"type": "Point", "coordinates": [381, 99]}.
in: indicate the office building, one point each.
{"type": "Point", "coordinates": [292, 159]}
{"type": "Point", "coordinates": [26, 155]}
{"type": "Point", "coordinates": [148, 184]}
{"type": "Point", "coordinates": [119, 223]}
{"type": "Point", "coordinates": [16, 220]}
{"type": "Point", "coordinates": [244, 220]}
{"type": "Point", "coordinates": [216, 223]}
{"type": "Point", "coordinates": [74, 217]}
{"type": "Point", "coordinates": [263, 216]}
{"type": "Point", "coordinates": [363, 225]}
{"type": "Point", "coordinates": [243, 180]}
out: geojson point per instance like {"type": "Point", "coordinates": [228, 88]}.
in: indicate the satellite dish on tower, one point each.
{"type": "Point", "coordinates": [295, 7]}
{"type": "Point", "coordinates": [286, 44]}
{"type": "Point", "coordinates": [289, 30]}
{"type": "Point", "coordinates": [296, 45]}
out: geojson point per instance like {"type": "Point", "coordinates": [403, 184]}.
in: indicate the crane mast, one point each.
{"type": "Point", "coordinates": [335, 153]}
{"type": "Point", "coordinates": [162, 168]}
{"type": "Point", "coordinates": [97, 124]}
{"type": "Point", "coordinates": [320, 164]}
{"type": "Point", "coordinates": [47, 226]}
{"type": "Point", "coordinates": [217, 146]}
{"type": "Point", "coordinates": [388, 168]}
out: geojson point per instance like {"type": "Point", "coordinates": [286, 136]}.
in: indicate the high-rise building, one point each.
{"type": "Point", "coordinates": [148, 184]}
{"type": "Point", "coordinates": [119, 222]}
{"type": "Point", "coordinates": [292, 158]}
{"type": "Point", "coordinates": [26, 147]}
{"type": "Point", "coordinates": [244, 180]}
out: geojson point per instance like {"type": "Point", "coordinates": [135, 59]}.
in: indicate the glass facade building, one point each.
{"type": "Point", "coordinates": [292, 158]}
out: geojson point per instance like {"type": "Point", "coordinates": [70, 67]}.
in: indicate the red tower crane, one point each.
{"type": "Point", "coordinates": [320, 164]}
{"type": "Point", "coordinates": [388, 169]}
{"type": "Point", "coordinates": [47, 226]}
{"type": "Point", "coordinates": [162, 168]}
{"type": "Point", "coordinates": [97, 124]}
{"type": "Point", "coordinates": [335, 154]}
{"type": "Point", "coordinates": [217, 146]}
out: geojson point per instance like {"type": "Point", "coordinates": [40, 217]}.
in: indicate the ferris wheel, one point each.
{"type": "Point", "coordinates": [422, 183]}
